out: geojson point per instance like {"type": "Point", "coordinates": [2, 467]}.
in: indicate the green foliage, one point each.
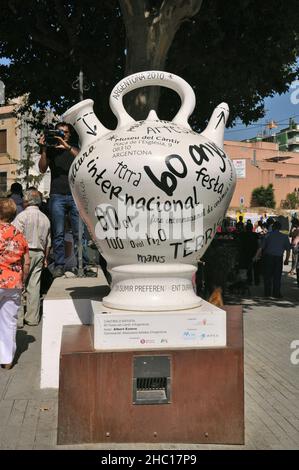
{"type": "Point", "coordinates": [263, 197]}
{"type": "Point", "coordinates": [48, 43]}
{"type": "Point", "coordinates": [291, 201]}
{"type": "Point", "coordinates": [238, 52]}
{"type": "Point", "coordinates": [26, 164]}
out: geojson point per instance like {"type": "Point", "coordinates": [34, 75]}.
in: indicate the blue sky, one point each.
{"type": "Point", "coordinates": [279, 109]}
{"type": "Point", "coordinates": [4, 61]}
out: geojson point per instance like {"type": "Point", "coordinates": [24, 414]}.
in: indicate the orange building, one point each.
{"type": "Point", "coordinates": [15, 135]}
{"type": "Point", "coordinates": [259, 164]}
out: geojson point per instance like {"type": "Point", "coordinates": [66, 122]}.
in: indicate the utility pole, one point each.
{"type": "Point", "coordinates": [27, 149]}
{"type": "Point", "coordinates": [79, 85]}
{"type": "Point", "coordinates": [2, 93]}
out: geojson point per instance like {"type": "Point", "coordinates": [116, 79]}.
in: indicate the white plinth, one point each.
{"type": "Point", "coordinates": [56, 314]}
{"type": "Point", "coordinates": [200, 327]}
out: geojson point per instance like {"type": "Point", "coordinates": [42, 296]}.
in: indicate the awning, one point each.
{"type": "Point", "coordinates": [278, 158]}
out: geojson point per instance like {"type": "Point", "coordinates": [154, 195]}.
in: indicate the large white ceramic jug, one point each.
{"type": "Point", "coordinates": [151, 193]}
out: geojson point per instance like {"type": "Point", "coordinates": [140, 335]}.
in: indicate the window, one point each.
{"type": "Point", "coordinates": [3, 183]}
{"type": "Point", "coordinates": [3, 143]}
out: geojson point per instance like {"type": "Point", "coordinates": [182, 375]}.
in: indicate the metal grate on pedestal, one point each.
{"type": "Point", "coordinates": [151, 380]}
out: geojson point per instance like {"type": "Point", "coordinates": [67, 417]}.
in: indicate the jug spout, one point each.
{"type": "Point", "coordinates": [215, 128]}
{"type": "Point", "coordinates": [85, 122]}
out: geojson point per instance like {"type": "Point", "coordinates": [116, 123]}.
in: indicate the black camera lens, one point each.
{"type": "Point", "coordinates": [51, 136]}
{"type": "Point", "coordinates": [59, 132]}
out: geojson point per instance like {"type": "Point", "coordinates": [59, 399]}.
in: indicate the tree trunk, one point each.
{"type": "Point", "coordinates": [150, 31]}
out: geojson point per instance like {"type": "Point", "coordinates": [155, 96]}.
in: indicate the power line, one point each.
{"type": "Point", "coordinates": [255, 126]}
{"type": "Point", "coordinates": [242, 129]}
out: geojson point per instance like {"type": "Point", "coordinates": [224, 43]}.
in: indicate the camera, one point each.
{"type": "Point", "coordinates": [51, 136]}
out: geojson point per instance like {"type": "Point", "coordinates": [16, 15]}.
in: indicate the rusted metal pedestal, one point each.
{"type": "Point", "coordinates": [97, 392]}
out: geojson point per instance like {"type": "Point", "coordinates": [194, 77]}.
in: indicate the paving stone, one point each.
{"type": "Point", "coordinates": [14, 425]}
{"type": "Point", "coordinates": [27, 433]}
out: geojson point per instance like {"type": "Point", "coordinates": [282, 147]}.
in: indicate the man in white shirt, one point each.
{"type": "Point", "coordinates": [36, 228]}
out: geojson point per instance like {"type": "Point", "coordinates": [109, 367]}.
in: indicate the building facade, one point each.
{"type": "Point", "coordinates": [260, 164]}
{"type": "Point", "coordinates": [287, 138]}
{"type": "Point", "coordinates": [9, 147]}
{"type": "Point", "coordinates": [15, 137]}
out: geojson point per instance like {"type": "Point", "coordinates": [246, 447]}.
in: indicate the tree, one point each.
{"type": "Point", "coordinates": [263, 197]}
{"type": "Point", "coordinates": [26, 164]}
{"type": "Point", "coordinates": [30, 124]}
{"type": "Point", "coordinates": [239, 52]}
{"type": "Point", "coordinates": [150, 31]}
{"type": "Point", "coordinates": [49, 42]}
{"type": "Point", "coordinates": [291, 201]}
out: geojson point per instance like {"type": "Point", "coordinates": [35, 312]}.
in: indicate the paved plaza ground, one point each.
{"type": "Point", "coordinates": [28, 415]}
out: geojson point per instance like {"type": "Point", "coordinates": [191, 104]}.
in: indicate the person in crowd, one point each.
{"type": "Point", "coordinates": [16, 194]}
{"type": "Point", "coordinates": [265, 230]}
{"type": "Point", "coordinates": [274, 244]}
{"type": "Point", "coordinates": [269, 224]}
{"type": "Point", "coordinates": [14, 268]}
{"type": "Point", "coordinates": [248, 248]}
{"type": "Point", "coordinates": [259, 228]}
{"type": "Point", "coordinates": [240, 224]}
{"type": "Point", "coordinates": [59, 159]}
{"type": "Point", "coordinates": [293, 234]}
{"type": "Point", "coordinates": [44, 204]}
{"type": "Point", "coordinates": [294, 224]}
{"type": "Point", "coordinates": [35, 226]}
{"type": "Point", "coordinates": [296, 251]}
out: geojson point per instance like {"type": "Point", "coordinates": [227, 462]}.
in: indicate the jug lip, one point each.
{"type": "Point", "coordinates": [170, 268]}
{"type": "Point", "coordinates": [77, 106]}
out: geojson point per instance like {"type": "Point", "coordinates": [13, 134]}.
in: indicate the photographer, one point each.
{"type": "Point", "coordinates": [58, 151]}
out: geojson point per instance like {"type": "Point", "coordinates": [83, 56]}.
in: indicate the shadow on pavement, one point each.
{"type": "Point", "coordinates": [94, 292]}
{"type": "Point", "coordinates": [289, 289]}
{"type": "Point", "coordinates": [23, 341]}
{"type": "Point", "coordinates": [90, 293]}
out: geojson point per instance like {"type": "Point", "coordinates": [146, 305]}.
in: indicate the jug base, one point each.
{"type": "Point", "coordinates": [152, 288]}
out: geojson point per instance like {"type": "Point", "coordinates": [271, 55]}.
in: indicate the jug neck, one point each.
{"type": "Point", "coordinates": [81, 116]}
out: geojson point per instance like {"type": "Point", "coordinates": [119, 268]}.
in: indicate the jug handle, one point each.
{"type": "Point", "coordinates": [151, 78]}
